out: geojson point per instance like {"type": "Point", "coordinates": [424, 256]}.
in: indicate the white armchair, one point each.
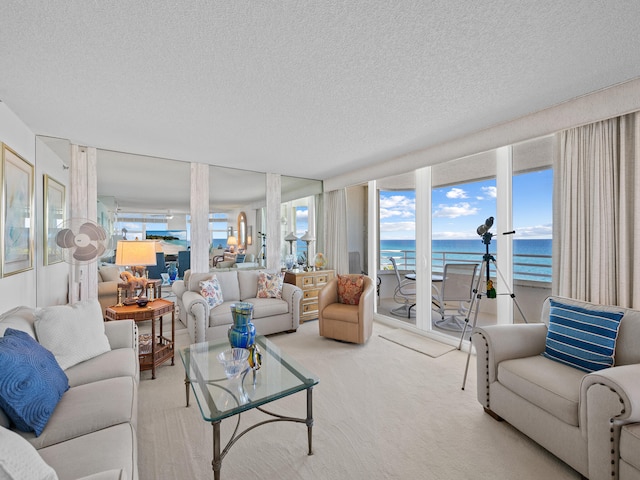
{"type": "Point", "coordinates": [578, 416]}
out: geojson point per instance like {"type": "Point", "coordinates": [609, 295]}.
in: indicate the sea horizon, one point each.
{"type": "Point", "coordinates": [532, 257]}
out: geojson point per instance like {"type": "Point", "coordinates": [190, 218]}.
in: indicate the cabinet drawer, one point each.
{"type": "Point", "coordinates": [310, 294]}
{"type": "Point", "coordinates": [322, 279]}
{"type": "Point", "coordinates": [307, 282]}
{"type": "Point", "coordinates": [308, 308]}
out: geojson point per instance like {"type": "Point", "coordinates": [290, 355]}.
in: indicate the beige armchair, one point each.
{"type": "Point", "coordinates": [108, 279]}
{"type": "Point", "coordinates": [349, 323]}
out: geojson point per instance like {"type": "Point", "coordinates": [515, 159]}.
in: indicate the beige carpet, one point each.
{"type": "Point", "coordinates": [381, 412]}
{"type": "Point", "coordinates": [416, 342]}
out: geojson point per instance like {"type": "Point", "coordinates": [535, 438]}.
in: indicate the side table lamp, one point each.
{"type": "Point", "coordinates": [135, 254]}
{"type": "Point", "coordinates": [307, 238]}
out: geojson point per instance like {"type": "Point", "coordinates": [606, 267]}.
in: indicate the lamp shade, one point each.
{"type": "Point", "coordinates": [307, 237]}
{"type": "Point", "coordinates": [291, 238]}
{"type": "Point", "coordinates": [232, 240]}
{"type": "Point", "coordinates": [136, 253]}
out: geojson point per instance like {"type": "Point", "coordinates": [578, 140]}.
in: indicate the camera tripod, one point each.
{"type": "Point", "coordinates": [490, 292]}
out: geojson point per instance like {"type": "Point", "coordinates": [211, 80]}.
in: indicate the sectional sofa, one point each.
{"type": "Point", "coordinates": [91, 432]}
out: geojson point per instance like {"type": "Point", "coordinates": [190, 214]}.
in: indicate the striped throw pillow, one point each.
{"type": "Point", "coordinates": [582, 338]}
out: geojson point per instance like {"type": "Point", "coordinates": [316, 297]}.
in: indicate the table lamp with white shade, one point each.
{"type": "Point", "coordinates": [307, 238]}
{"type": "Point", "coordinates": [136, 254]}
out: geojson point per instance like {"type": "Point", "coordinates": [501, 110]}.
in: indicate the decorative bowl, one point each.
{"type": "Point", "coordinates": [234, 361]}
{"type": "Point", "coordinates": [142, 301]}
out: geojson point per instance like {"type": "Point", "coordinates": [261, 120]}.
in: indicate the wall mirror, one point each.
{"type": "Point", "coordinates": [242, 230]}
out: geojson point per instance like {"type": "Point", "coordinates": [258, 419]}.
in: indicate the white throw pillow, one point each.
{"type": "Point", "coordinates": [73, 333]}
{"type": "Point", "coordinates": [20, 460]}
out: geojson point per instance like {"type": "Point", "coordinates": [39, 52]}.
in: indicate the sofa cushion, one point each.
{"type": "Point", "coordinates": [19, 460]}
{"type": "Point", "coordinates": [550, 385]}
{"type": "Point", "coordinates": [268, 307]}
{"type": "Point", "coordinates": [112, 448]}
{"type": "Point", "coordinates": [229, 285]}
{"type": "Point", "coordinates": [19, 318]}
{"type": "Point", "coordinates": [109, 274]}
{"type": "Point", "coordinates": [248, 283]}
{"type": "Point", "coordinates": [31, 381]}
{"type": "Point", "coordinates": [341, 312]}
{"type": "Point", "coordinates": [269, 285]}
{"type": "Point", "coordinates": [89, 408]}
{"type": "Point", "coordinates": [630, 444]}
{"type": "Point", "coordinates": [350, 289]}
{"type": "Point", "coordinates": [195, 279]}
{"type": "Point", "coordinates": [581, 337]}
{"type": "Point", "coordinates": [73, 333]}
{"type": "Point", "coordinates": [210, 290]}
{"type": "Point", "coordinates": [221, 315]}
{"type": "Point", "coordinates": [120, 362]}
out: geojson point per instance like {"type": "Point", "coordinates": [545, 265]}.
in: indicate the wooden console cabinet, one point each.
{"type": "Point", "coordinates": [310, 283]}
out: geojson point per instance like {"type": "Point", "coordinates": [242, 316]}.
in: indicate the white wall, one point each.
{"type": "Point", "coordinates": [39, 286]}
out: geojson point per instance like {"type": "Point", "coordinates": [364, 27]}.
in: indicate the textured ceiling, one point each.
{"type": "Point", "coordinates": [304, 88]}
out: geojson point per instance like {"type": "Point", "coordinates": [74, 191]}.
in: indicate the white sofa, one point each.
{"type": "Point", "coordinates": [92, 431]}
{"type": "Point", "coordinates": [588, 420]}
{"type": "Point", "coordinates": [270, 315]}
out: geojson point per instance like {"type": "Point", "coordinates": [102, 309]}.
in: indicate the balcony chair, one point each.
{"type": "Point", "coordinates": [457, 286]}
{"type": "Point", "coordinates": [154, 271]}
{"type": "Point", "coordinates": [184, 262]}
{"type": "Point", "coordinates": [404, 293]}
{"type": "Point", "coordinates": [340, 320]}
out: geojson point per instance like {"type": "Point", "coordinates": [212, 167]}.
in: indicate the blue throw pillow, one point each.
{"type": "Point", "coordinates": [581, 337]}
{"type": "Point", "coordinates": [31, 381]}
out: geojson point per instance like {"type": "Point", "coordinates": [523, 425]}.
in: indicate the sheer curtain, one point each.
{"type": "Point", "coordinates": [335, 234]}
{"type": "Point", "coordinates": [596, 194]}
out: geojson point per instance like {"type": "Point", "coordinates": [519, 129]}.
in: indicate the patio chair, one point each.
{"type": "Point", "coordinates": [455, 293]}
{"type": "Point", "coordinates": [404, 293]}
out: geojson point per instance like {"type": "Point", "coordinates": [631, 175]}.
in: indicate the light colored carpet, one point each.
{"type": "Point", "coordinates": [416, 342]}
{"type": "Point", "coordinates": [380, 411]}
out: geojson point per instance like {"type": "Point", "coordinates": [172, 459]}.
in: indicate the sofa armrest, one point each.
{"type": "Point", "coordinates": [197, 309]}
{"type": "Point", "coordinates": [121, 333]}
{"type": "Point", "coordinates": [622, 380]}
{"type": "Point", "coordinates": [609, 399]}
{"type": "Point", "coordinates": [178, 287]}
{"type": "Point", "coordinates": [328, 295]}
{"type": "Point", "coordinates": [495, 343]}
{"type": "Point", "coordinates": [292, 294]}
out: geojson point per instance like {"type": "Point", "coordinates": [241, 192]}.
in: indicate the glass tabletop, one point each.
{"type": "Point", "coordinates": [219, 397]}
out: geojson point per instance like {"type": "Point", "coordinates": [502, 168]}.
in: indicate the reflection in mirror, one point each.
{"type": "Point", "coordinates": [294, 188]}
{"type": "Point", "coordinates": [242, 230]}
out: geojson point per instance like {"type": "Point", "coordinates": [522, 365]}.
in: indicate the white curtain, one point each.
{"type": "Point", "coordinates": [596, 195]}
{"type": "Point", "coordinates": [335, 233]}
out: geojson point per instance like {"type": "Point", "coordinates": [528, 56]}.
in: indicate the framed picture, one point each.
{"type": "Point", "coordinates": [17, 213]}
{"type": "Point", "coordinates": [54, 217]}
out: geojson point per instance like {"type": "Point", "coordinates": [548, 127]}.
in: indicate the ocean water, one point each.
{"type": "Point", "coordinates": [532, 257]}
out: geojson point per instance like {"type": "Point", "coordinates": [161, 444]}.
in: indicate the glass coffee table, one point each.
{"type": "Point", "coordinates": [219, 398]}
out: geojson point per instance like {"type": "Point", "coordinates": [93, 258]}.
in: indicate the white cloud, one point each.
{"type": "Point", "coordinates": [397, 206]}
{"type": "Point", "coordinates": [453, 211]}
{"type": "Point", "coordinates": [490, 191]}
{"type": "Point", "coordinates": [457, 193]}
{"type": "Point", "coordinates": [537, 231]}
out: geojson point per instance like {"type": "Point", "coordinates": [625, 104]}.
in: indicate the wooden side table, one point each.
{"type": "Point", "coordinates": [161, 348]}
{"type": "Point", "coordinates": [311, 283]}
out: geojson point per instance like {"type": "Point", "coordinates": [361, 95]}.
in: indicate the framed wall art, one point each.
{"type": "Point", "coordinates": [17, 213]}
{"type": "Point", "coordinates": [54, 217]}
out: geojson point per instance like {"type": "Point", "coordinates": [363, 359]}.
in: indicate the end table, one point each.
{"type": "Point", "coordinates": [162, 348]}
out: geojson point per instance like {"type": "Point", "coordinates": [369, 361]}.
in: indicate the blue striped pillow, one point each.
{"type": "Point", "coordinates": [582, 338]}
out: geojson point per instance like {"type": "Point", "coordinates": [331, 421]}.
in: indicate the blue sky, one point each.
{"type": "Point", "coordinates": [458, 210]}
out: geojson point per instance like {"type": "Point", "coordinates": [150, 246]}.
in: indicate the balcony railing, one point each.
{"type": "Point", "coordinates": [530, 267]}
